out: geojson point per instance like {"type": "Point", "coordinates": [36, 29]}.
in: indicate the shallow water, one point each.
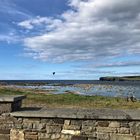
{"type": "Point", "coordinates": [97, 89]}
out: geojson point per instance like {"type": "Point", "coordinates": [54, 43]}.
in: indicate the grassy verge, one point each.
{"type": "Point", "coordinates": [38, 99]}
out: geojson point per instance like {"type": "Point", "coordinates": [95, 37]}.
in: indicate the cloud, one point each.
{"type": "Point", "coordinates": [9, 8]}
{"type": "Point", "coordinates": [90, 30]}
{"type": "Point", "coordinates": [118, 64]}
{"type": "Point", "coordinates": [40, 23]}
{"type": "Point", "coordinates": [29, 24]}
{"type": "Point", "coordinates": [9, 38]}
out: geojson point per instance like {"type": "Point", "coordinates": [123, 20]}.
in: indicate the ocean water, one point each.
{"type": "Point", "coordinates": [134, 83]}
{"type": "Point", "coordinates": [103, 88]}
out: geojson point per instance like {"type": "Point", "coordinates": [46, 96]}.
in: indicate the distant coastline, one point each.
{"type": "Point", "coordinates": [124, 78]}
{"type": "Point", "coordinates": [101, 81]}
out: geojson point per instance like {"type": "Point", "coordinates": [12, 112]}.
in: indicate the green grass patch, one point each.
{"type": "Point", "coordinates": [35, 99]}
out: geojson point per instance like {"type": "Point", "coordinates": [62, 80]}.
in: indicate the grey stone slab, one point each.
{"type": "Point", "coordinates": [100, 114]}
{"type": "Point", "coordinates": [11, 98]}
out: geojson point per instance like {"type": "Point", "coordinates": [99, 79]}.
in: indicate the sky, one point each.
{"type": "Point", "coordinates": [78, 39]}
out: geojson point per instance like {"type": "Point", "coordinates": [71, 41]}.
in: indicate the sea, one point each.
{"type": "Point", "coordinates": [101, 88]}
{"type": "Point", "coordinates": [134, 83]}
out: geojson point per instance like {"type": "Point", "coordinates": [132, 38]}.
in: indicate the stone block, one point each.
{"type": "Point", "coordinates": [31, 137]}
{"type": "Point", "coordinates": [103, 123]}
{"type": "Point", "coordinates": [44, 136]}
{"type": "Point", "coordinates": [92, 123]}
{"type": "Point", "coordinates": [16, 134]}
{"type": "Point", "coordinates": [55, 136]}
{"type": "Point", "coordinates": [72, 127]}
{"type": "Point", "coordinates": [135, 128]}
{"type": "Point", "coordinates": [103, 136]}
{"type": "Point", "coordinates": [106, 130]}
{"type": "Point", "coordinates": [10, 103]}
{"type": "Point", "coordinates": [137, 137]}
{"type": "Point", "coordinates": [88, 130]}
{"type": "Point", "coordinates": [67, 122]}
{"type": "Point", "coordinates": [31, 120]}
{"type": "Point", "coordinates": [53, 129]}
{"type": "Point", "coordinates": [41, 126]}
{"type": "Point", "coordinates": [91, 135]}
{"type": "Point", "coordinates": [114, 124]}
{"type": "Point", "coordinates": [27, 126]}
{"type": "Point", "coordinates": [4, 137]}
{"type": "Point", "coordinates": [124, 130]}
{"type": "Point", "coordinates": [54, 122]}
{"type": "Point", "coordinates": [121, 137]}
{"type": "Point", "coordinates": [92, 138]}
{"type": "Point", "coordinates": [35, 125]}
{"type": "Point", "coordinates": [31, 133]}
{"type": "Point", "coordinates": [124, 124]}
{"type": "Point", "coordinates": [18, 126]}
{"type": "Point", "coordinates": [65, 137]}
{"type": "Point", "coordinates": [71, 132]}
{"type": "Point", "coordinates": [79, 138]}
{"type": "Point", "coordinates": [76, 122]}
{"type": "Point", "coordinates": [4, 131]}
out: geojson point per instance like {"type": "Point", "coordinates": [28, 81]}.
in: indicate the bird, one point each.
{"type": "Point", "coordinates": [53, 73]}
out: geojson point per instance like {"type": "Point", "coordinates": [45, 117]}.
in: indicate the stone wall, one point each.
{"type": "Point", "coordinates": [70, 124]}
{"type": "Point", "coordinates": [73, 129]}
{"type": "Point", "coordinates": [10, 103]}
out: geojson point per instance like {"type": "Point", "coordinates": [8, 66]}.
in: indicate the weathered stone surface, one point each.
{"type": "Point", "coordinates": [81, 114]}
{"type": "Point", "coordinates": [124, 124]}
{"type": "Point", "coordinates": [41, 126]}
{"type": "Point", "coordinates": [3, 131]}
{"type": "Point", "coordinates": [11, 98]}
{"type": "Point", "coordinates": [137, 137]}
{"type": "Point", "coordinates": [31, 120]}
{"type": "Point", "coordinates": [114, 124]}
{"type": "Point", "coordinates": [86, 124]}
{"type": "Point", "coordinates": [72, 127]}
{"type": "Point", "coordinates": [92, 138]}
{"type": "Point", "coordinates": [31, 137]}
{"type": "Point", "coordinates": [124, 130]}
{"type": "Point", "coordinates": [27, 126]}
{"type": "Point", "coordinates": [16, 134]}
{"type": "Point", "coordinates": [103, 136]}
{"type": "Point", "coordinates": [121, 137]}
{"type": "Point", "coordinates": [79, 138]}
{"type": "Point", "coordinates": [35, 125]}
{"type": "Point", "coordinates": [44, 135]}
{"type": "Point", "coordinates": [54, 122]}
{"type": "Point", "coordinates": [135, 128]}
{"type": "Point", "coordinates": [88, 129]}
{"type": "Point", "coordinates": [53, 129]}
{"type": "Point", "coordinates": [55, 136]}
{"type": "Point", "coordinates": [71, 132]}
{"type": "Point", "coordinates": [67, 122]}
{"type": "Point", "coordinates": [91, 123]}
{"type": "Point", "coordinates": [4, 137]}
{"type": "Point", "coordinates": [76, 122]}
{"type": "Point", "coordinates": [103, 123]}
{"type": "Point", "coordinates": [5, 107]}
{"type": "Point", "coordinates": [18, 126]}
{"type": "Point", "coordinates": [106, 130]}
{"type": "Point", "coordinates": [65, 137]}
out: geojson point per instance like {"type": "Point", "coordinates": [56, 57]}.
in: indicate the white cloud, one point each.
{"type": "Point", "coordinates": [46, 22]}
{"type": "Point", "coordinates": [92, 29]}
{"type": "Point", "coordinates": [9, 38]}
{"type": "Point", "coordinates": [9, 8]}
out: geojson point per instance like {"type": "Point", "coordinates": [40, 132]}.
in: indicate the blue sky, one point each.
{"type": "Point", "coordinates": [78, 39]}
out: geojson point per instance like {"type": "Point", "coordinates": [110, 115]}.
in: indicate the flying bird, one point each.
{"type": "Point", "coordinates": [53, 73]}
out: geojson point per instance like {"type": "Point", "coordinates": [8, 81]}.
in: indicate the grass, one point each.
{"type": "Point", "coordinates": [37, 99]}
